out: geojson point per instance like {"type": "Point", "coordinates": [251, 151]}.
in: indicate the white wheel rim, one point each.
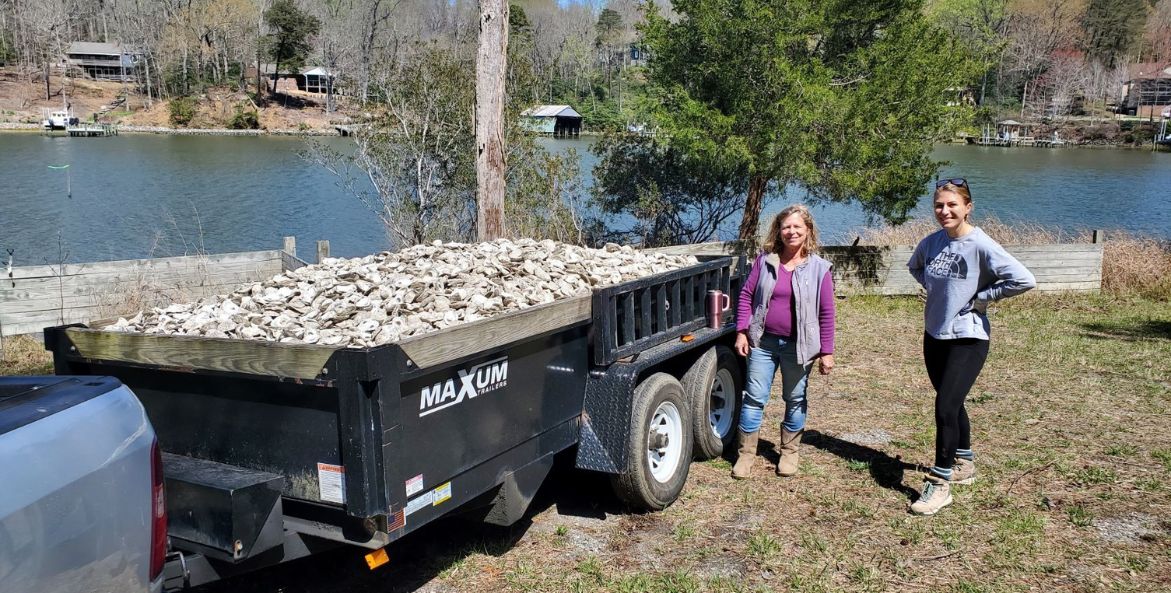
{"type": "Point", "coordinates": [664, 441]}
{"type": "Point", "coordinates": [722, 404]}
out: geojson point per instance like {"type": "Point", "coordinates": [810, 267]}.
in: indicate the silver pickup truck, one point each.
{"type": "Point", "coordinates": [81, 488]}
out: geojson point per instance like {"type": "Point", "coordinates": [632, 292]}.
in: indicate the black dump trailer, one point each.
{"type": "Point", "coordinates": [273, 451]}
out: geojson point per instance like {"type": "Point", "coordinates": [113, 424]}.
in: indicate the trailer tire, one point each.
{"type": "Point", "coordinates": [659, 446]}
{"type": "Point", "coordinates": [716, 388]}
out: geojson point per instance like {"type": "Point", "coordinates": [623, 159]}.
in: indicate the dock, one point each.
{"type": "Point", "coordinates": [92, 130]}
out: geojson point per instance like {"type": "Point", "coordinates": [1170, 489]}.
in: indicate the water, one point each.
{"type": "Point", "coordinates": [151, 196]}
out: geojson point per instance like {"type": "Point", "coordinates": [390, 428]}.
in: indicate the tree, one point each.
{"type": "Point", "coordinates": [418, 152]}
{"type": "Point", "coordinates": [979, 25]}
{"type": "Point", "coordinates": [288, 41]}
{"type": "Point", "coordinates": [1113, 28]}
{"type": "Point", "coordinates": [674, 197]}
{"type": "Point", "coordinates": [491, 68]}
{"type": "Point", "coordinates": [414, 164]}
{"type": "Point", "coordinates": [842, 98]}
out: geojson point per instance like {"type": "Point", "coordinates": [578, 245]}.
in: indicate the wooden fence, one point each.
{"type": "Point", "coordinates": [864, 269]}
{"type": "Point", "coordinates": [35, 297]}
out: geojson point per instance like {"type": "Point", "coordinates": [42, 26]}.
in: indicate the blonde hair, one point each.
{"type": "Point", "coordinates": [772, 241]}
{"type": "Point", "coordinates": [962, 191]}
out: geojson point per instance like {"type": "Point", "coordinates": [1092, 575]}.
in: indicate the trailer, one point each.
{"type": "Point", "coordinates": [274, 451]}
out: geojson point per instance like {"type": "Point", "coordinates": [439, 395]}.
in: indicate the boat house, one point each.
{"type": "Point", "coordinates": [103, 61]}
{"type": "Point", "coordinates": [318, 80]}
{"type": "Point", "coordinates": [555, 120]}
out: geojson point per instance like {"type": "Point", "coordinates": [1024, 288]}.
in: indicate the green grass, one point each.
{"type": "Point", "coordinates": [1163, 456]}
{"type": "Point", "coordinates": [1095, 475]}
{"type": "Point", "coordinates": [1069, 421]}
{"type": "Point", "coordinates": [1078, 515]}
{"type": "Point", "coordinates": [763, 547]}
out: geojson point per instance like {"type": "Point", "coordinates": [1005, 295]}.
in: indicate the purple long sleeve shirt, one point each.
{"type": "Point", "coordinates": [782, 315]}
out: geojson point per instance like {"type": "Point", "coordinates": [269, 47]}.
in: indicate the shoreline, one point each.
{"type": "Point", "coordinates": [19, 127]}
{"type": "Point", "coordinates": [160, 130]}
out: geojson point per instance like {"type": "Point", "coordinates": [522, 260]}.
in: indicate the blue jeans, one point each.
{"type": "Point", "coordinates": [762, 367]}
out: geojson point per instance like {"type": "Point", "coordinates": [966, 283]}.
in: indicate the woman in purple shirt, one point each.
{"type": "Point", "coordinates": [785, 318]}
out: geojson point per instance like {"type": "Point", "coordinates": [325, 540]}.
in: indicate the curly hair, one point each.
{"type": "Point", "coordinates": [772, 241]}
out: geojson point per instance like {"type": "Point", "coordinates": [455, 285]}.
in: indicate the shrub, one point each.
{"type": "Point", "coordinates": [244, 119]}
{"type": "Point", "coordinates": [182, 111]}
{"type": "Point", "coordinates": [1137, 265]}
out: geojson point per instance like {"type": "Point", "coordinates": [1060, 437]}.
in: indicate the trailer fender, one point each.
{"type": "Point", "coordinates": [605, 420]}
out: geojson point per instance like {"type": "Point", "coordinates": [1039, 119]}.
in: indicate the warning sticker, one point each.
{"type": "Point", "coordinates": [415, 485]}
{"type": "Point", "coordinates": [442, 494]}
{"type": "Point", "coordinates": [331, 483]}
{"type": "Point", "coordinates": [419, 502]}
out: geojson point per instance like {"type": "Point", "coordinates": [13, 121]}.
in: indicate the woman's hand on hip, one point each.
{"type": "Point", "coordinates": [825, 363]}
{"type": "Point", "coordinates": [741, 344]}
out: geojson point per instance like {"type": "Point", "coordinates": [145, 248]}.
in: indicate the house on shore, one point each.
{"type": "Point", "coordinates": [559, 121]}
{"type": "Point", "coordinates": [102, 61]}
{"type": "Point", "coordinates": [1147, 90]}
{"type": "Point", "coordinates": [318, 80]}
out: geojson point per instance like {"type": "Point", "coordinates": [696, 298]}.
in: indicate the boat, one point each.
{"type": "Point", "coordinates": [59, 120]}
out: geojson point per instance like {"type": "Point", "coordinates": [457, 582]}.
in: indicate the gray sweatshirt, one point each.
{"type": "Point", "coordinates": [961, 277]}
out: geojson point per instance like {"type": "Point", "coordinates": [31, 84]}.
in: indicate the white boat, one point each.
{"type": "Point", "coordinates": [58, 120]}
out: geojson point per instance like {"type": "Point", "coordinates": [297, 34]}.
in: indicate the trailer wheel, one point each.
{"type": "Point", "coordinates": [716, 387]}
{"type": "Point", "coordinates": [659, 446]}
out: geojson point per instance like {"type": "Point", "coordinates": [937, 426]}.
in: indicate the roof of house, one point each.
{"type": "Point", "coordinates": [1148, 70]}
{"type": "Point", "coordinates": [319, 71]}
{"type": "Point", "coordinates": [94, 48]}
{"type": "Point", "coordinates": [1010, 122]}
{"type": "Point", "coordinates": [550, 111]}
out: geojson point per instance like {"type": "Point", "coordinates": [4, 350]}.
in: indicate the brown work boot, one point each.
{"type": "Point", "coordinates": [787, 466]}
{"type": "Point", "coordinates": [936, 495]}
{"type": "Point", "coordinates": [747, 454]}
{"type": "Point", "coordinates": [964, 472]}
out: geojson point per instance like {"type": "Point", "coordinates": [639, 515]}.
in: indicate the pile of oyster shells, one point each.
{"type": "Point", "coordinates": [382, 298]}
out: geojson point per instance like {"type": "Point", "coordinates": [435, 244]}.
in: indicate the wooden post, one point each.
{"type": "Point", "coordinates": [490, 75]}
{"type": "Point", "coordinates": [322, 250]}
{"type": "Point", "coordinates": [290, 246]}
{"type": "Point", "coordinates": [1099, 237]}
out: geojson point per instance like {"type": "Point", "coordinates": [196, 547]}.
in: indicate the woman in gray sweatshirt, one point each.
{"type": "Point", "coordinates": [963, 270]}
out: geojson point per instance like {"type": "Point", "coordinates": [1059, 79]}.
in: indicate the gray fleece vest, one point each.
{"type": "Point", "coordinates": [807, 280]}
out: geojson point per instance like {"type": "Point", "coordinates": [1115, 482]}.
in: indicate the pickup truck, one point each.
{"type": "Point", "coordinates": [82, 505]}
{"type": "Point", "coordinates": [274, 451]}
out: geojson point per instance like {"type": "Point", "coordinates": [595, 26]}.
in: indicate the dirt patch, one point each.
{"type": "Point", "coordinates": [1134, 528]}
{"type": "Point", "coordinates": [867, 438]}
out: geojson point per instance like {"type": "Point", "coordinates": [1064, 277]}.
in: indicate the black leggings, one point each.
{"type": "Point", "coordinates": [953, 366]}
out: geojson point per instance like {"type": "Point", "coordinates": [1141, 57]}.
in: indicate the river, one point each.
{"type": "Point", "coordinates": [152, 195]}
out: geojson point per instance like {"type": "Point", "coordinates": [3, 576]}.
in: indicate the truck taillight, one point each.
{"type": "Point", "coordinates": [158, 531]}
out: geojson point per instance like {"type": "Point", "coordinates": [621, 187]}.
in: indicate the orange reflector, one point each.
{"type": "Point", "coordinates": [377, 558]}
{"type": "Point", "coordinates": [687, 338]}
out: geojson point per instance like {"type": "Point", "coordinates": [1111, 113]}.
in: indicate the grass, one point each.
{"type": "Point", "coordinates": [23, 355]}
{"type": "Point", "coordinates": [1069, 422]}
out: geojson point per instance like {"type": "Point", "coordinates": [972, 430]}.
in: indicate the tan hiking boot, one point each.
{"type": "Point", "coordinates": [747, 454]}
{"type": "Point", "coordinates": [936, 495]}
{"type": "Point", "coordinates": [964, 472]}
{"type": "Point", "coordinates": [787, 466]}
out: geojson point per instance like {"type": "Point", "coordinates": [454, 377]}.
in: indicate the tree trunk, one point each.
{"type": "Point", "coordinates": [276, 73]}
{"type": "Point", "coordinates": [750, 223]}
{"type": "Point", "coordinates": [490, 74]}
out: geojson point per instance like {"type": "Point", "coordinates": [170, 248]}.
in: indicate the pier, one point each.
{"type": "Point", "coordinates": [92, 130]}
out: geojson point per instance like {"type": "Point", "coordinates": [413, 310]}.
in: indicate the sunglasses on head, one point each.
{"type": "Point", "coordinates": [958, 182]}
